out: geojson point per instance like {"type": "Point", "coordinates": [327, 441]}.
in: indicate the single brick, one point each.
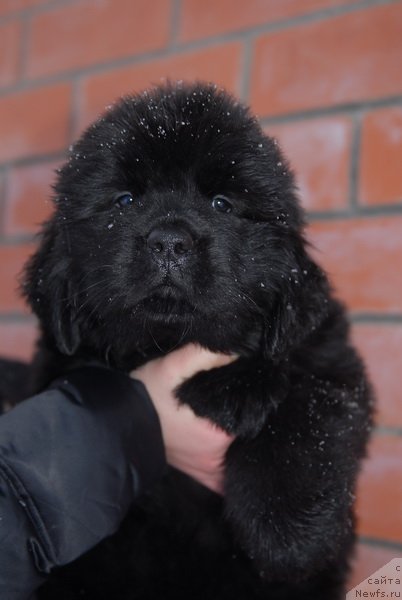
{"type": "Point", "coordinates": [380, 179]}
{"type": "Point", "coordinates": [319, 152]}
{"type": "Point", "coordinates": [12, 260]}
{"type": "Point", "coordinates": [379, 504]}
{"type": "Point", "coordinates": [88, 32]}
{"type": "Point", "coordinates": [34, 122]}
{"type": "Point", "coordinates": [362, 257]}
{"type": "Point", "coordinates": [10, 38]}
{"type": "Point", "coordinates": [348, 58]}
{"type": "Point", "coordinates": [380, 346]}
{"type": "Point", "coordinates": [17, 339]}
{"type": "Point", "coordinates": [28, 199]}
{"type": "Point", "coordinates": [204, 18]}
{"type": "Point", "coordinates": [220, 64]}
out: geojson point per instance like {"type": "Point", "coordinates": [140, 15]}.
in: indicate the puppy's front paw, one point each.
{"type": "Point", "coordinates": [238, 397]}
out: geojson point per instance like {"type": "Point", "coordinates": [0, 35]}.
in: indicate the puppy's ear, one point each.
{"type": "Point", "coordinates": [46, 285]}
{"type": "Point", "coordinates": [65, 325]}
{"type": "Point", "coordinates": [299, 308]}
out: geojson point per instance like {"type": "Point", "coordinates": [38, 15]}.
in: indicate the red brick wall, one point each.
{"type": "Point", "coordinates": [325, 76]}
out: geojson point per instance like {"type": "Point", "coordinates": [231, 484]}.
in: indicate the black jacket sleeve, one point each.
{"type": "Point", "coordinates": [72, 460]}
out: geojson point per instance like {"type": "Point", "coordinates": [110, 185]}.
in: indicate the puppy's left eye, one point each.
{"type": "Point", "coordinates": [124, 199]}
{"type": "Point", "coordinates": [222, 204]}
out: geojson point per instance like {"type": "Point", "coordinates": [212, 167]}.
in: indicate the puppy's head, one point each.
{"type": "Point", "coordinates": [175, 221]}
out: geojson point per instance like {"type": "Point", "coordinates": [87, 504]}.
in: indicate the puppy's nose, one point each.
{"type": "Point", "coordinates": [170, 241]}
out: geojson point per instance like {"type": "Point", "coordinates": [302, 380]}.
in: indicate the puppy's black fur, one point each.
{"type": "Point", "coordinates": [177, 221]}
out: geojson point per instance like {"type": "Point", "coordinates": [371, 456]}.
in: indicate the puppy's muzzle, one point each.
{"type": "Point", "coordinates": [169, 244]}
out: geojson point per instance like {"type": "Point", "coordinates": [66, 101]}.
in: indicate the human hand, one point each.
{"type": "Point", "coordinates": [194, 445]}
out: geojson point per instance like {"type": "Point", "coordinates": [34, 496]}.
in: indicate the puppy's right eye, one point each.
{"type": "Point", "coordinates": [124, 199]}
{"type": "Point", "coordinates": [221, 204]}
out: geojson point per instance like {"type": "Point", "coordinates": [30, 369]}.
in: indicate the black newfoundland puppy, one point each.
{"type": "Point", "coordinates": [177, 221]}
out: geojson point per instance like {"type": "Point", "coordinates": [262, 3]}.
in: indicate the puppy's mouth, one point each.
{"type": "Point", "coordinates": [167, 301]}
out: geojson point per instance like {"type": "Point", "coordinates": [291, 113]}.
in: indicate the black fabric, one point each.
{"type": "Point", "coordinates": [72, 460]}
{"type": "Point", "coordinates": [14, 382]}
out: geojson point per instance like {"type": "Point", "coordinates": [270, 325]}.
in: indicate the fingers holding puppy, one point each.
{"type": "Point", "coordinates": [194, 445]}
